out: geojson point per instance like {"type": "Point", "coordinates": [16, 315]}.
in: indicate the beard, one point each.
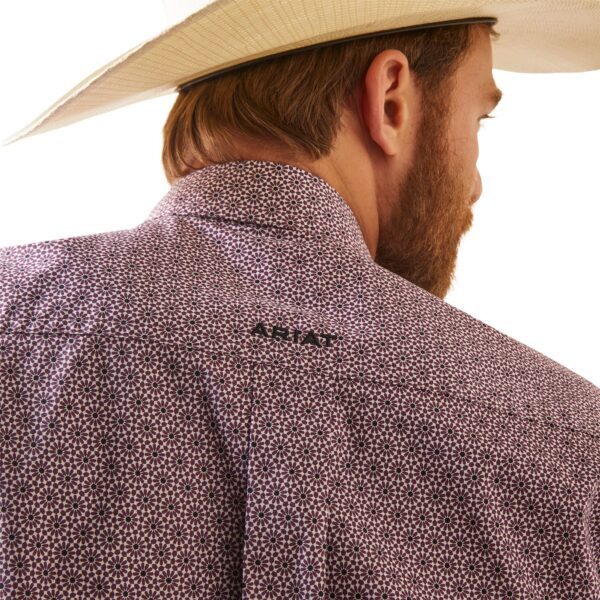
{"type": "Point", "coordinates": [420, 235]}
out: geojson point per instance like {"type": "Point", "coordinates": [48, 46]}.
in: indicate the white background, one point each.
{"type": "Point", "coordinates": [528, 266]}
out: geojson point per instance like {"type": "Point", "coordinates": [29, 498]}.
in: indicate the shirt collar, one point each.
{"type": "Point", "coordinates": [265, 194]}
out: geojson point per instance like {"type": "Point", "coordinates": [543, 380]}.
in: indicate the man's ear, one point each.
{"type": "Point", "coordinates": [385, 100]}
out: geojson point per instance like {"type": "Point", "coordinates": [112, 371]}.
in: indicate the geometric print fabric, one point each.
{"type": "Point", "coordinates": [233, 400]}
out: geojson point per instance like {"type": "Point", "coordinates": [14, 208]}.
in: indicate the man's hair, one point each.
{"type": "Point", "coordinates": [296, 101]}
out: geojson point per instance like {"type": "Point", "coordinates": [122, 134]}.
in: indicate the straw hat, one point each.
{"type": "Point", "coordinates": [210, 38]}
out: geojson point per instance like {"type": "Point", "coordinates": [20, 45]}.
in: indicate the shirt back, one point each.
{"type": "Point", "coordinates": [233, 400]}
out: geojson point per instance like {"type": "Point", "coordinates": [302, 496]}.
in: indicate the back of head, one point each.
{"type": "Point", "coordinates": [296, 101]}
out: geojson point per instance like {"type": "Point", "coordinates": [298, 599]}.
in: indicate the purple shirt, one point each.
{"type": "Point", "coordinates": [233, 400]}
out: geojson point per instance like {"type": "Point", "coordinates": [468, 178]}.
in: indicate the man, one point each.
{"type": "Point", "coordinates": [259, 392]}
{"type": "Point", "coordinates": [410, 176]}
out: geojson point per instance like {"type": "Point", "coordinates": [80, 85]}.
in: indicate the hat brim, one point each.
{"type": "Point", "coordinates": [539, 36]}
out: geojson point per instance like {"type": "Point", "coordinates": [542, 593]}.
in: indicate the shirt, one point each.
{"type": "Point", "coordinates": [234, 400]}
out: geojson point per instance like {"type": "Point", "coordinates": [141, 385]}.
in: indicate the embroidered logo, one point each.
{"type": "Point", "coordinates": [297, 337]}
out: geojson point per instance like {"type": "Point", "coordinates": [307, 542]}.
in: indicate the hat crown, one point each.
{"type": "Point", "coordinates": [177, 10]}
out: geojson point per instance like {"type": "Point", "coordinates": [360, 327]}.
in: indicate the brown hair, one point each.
{"type": "Point", "coordinates": [297, 100]}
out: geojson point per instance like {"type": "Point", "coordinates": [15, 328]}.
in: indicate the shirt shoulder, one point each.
{"type": "Point", "coordinates": [44, 285]}
{"type": "Point", "coordinates": [454, 355]}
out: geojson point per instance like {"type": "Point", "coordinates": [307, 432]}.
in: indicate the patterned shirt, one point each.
{"type": "Point", "coordinates": [234, 400]}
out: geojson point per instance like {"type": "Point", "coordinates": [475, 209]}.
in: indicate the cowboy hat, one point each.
{"type": "Point", "coordinates": [211, 38]}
